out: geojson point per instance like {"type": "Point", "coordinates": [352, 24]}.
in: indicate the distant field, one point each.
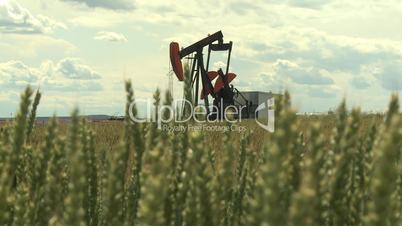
{"type": "Point", "coordinates": [339, 169]}
{"type": "Point", "coordinates": [108, 134]}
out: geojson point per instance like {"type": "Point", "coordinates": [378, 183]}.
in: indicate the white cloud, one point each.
{"type": "Point", "coordinates": [16, 19]}
{"type": "Point", "coordinates": [360, 82]}
{"type": "Point", "coordinates": [16, 74]}
{"type": "Point", "coordinates": [389, 74]}
{"type": "Point", "coordinates": [107, 4]}
{"type": "Point", "coordinates": [70, 68]}
{"type": "Point", "coordinates": [283, 74]}
{"type": "Point", "coordinates": [300, 75]}
{"type": "Point", "coordinates": [313, 4]}
{"type": "Point", "coordinates": [15, 46]}
{"type": "Point", "coordinates": [110, 36]}
{"type": "Point", "coordinates": [322, 92]}
{"type": "Point", "coordinates": [65, 75]}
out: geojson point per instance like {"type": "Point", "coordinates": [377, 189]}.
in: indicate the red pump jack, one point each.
{"type": "Point", "coordinates": [222, 92]}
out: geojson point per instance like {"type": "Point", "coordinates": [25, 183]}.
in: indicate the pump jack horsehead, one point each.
{"type": "Point", "coordinates": [222, 92]}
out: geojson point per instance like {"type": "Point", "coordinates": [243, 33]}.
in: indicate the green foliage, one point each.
{"type": "Point", "coordinates": [337, 170]}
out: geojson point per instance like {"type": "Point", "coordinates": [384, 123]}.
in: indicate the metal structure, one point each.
{"type": "Point", "coordinates": [222, 92]}
{"type": "Point", "coordinates": [170, 82]}
{"type": "Point", "coordinates": [255, 99]}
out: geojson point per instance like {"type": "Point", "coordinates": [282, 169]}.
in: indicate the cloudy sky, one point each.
{"type": "Point", "coordinates": [79, 52]}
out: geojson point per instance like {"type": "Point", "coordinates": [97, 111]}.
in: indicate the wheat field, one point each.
{"type": "Point", "coordinates": [336, 170]}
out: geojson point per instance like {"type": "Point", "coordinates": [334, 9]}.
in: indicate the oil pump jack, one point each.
{"type": "Point", "coordinates": [222, 92]}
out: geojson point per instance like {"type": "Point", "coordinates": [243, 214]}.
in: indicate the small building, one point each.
{"type": "Point", "coordinates": [254, 99]}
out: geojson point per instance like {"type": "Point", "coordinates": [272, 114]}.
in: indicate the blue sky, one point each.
{"type": "Point", "coordinates": [79, 52]}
